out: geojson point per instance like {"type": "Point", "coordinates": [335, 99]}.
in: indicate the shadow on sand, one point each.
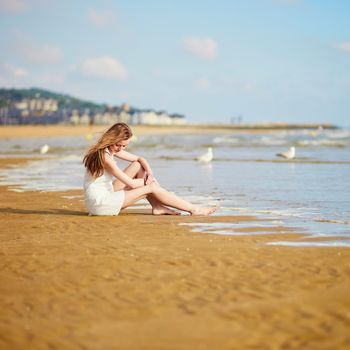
{"type": "Point", "coordinates": [67, 212]}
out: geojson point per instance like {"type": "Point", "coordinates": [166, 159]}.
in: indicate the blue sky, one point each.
{"type": "Point", "coordinates": [263, 60]}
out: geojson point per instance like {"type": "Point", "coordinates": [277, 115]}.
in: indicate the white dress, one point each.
{"type": "Point", "coordinates": [100, 197]}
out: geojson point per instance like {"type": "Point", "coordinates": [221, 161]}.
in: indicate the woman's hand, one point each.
{"type": "Point", "coordinates": [150, 179]}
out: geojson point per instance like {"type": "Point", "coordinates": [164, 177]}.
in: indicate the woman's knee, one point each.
{"type": "Point", "coordinates": [136, 164]}
{"type": "Point", "coordinates": [154, 187]}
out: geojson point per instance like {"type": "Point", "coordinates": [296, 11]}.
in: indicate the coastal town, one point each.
{"type": "Point", "coordinates": [39, 109]}
{"type": "Point", "coordinates": [42, 107]}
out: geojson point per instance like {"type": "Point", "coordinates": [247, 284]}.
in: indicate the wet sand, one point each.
{"type": "Point", "coordinates": [69, 281]}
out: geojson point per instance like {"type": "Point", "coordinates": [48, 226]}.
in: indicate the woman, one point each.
{"type": "Point", "coordinates": [108, 189]}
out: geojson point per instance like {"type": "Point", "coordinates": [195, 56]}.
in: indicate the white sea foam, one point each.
{"type": "Point", "coordinates": [325, 235]}
{"type": "Point", "coordinates": [233, 233]}
{"type": "Point", "coordinates": [270, 141]}
{"type": "Point", "coordinates": [303, 138]}
{"type": "Point", "coordinates": [337, 134]}
{"type": "Point", "coordinates": [292, 212]}
{"type": "Point", "coordinates": [332, 221]}
{"type": "Point", "coordinates": [225, 139]}
{"type": "Point", "coordinates": [54, 174]}
{"type": "Point", "coordinates": [233, 225]}
{"type": "Point", "coordinates": [232, 228]}
{"type": "Point", "coordinates": [336, 244]}
{"type": "Point", "coordinates": [323, 142]}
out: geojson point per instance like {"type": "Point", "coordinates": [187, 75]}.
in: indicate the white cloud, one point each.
{"type": "Point", "coordinates": [12, 5]}
{"type": "Point", "coordinates": [33, 52]}
{"type": "Point", "coordinates": [202, 84]}
{"type": "Point", "coordinates": [14, 71]}
{"type": "Point", "coordinates": [204, 48]}
{"type": "Point", "coordinates": [103, 67]}
{"type": "Point", "coordinates": [15, 76]}
{"type": "Point", "coordinates": [101, 18]}
{"type": "Point", "coordinates": [345, 46]}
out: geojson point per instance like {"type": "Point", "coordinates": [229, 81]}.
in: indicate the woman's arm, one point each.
{"type": "Point", "coordinates": [134, 158]}
{"type": "Point", "coordinates": [145, 165]}
{"type": "Point", "coordinates": [110, 166]}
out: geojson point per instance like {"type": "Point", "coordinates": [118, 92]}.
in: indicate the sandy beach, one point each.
{"type": "Point", "coordinates": [69, 281]}
{"type": "Point", "coordinates": [11, 131]}
{"type": "Point", "coordinates": [82, 130]}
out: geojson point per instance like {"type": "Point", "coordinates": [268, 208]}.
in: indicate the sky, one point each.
{"type": "Point", "coordinates": [210, 60]}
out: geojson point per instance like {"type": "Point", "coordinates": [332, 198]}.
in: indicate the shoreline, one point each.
{"type": "Point", "coordinates": [136, 281]}
{"type": "Point", "coordinates": [11, 131]}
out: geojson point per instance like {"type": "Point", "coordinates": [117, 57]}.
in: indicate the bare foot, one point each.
{"type": "Point", "coordinates": [161, 210]}
{"type": "Point", "coordinates": [204, 211]}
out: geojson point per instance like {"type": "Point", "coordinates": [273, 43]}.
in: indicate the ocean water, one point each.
{"type": "Point", "coordinates": [309, 194]}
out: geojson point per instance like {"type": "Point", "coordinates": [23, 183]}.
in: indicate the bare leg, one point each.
{"type": "Point", "coordinates": [165, 197]}
{"type": "Point", "coordinates": [135, 171]}
{"type": "Point", "coordinates": [132, 170]}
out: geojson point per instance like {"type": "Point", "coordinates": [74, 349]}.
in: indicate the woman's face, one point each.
{"type": "Point", "coordinates": [119, 146]}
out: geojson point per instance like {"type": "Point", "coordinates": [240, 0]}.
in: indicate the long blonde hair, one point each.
{"type": "Point", "coordinates": [93, 159]}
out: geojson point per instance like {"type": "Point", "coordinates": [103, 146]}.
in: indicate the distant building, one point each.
{"type": "Point", "coordinates": [85, 118]}
{"type": "Point", "coordinates": [39, 110]}
{"type": "Point", "coordinates": [124, 117]}
{"type": "Point", "coordinates": [178, 119]}
{"type": "Point", "coordinates": [125, 107]}
{"type": "Point", "coordinates": [74, 117]}
{"type": "Point", "coordinates": [37, 104]}
{"type": "Point", "coordinates": [148, 118]}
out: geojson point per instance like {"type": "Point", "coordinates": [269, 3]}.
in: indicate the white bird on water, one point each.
{"type": "Point", "coordinates": [44, 149]}
{"type": "Point", "coordinates": [206, 157]}
{"type": "Point", "coordinates": [290, 154]}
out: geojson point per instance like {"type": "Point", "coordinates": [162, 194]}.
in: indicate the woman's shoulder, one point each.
{"type": "Point", "coordinates": [107, 151]}
{"type": "Point", "coordinates": [108, 156]}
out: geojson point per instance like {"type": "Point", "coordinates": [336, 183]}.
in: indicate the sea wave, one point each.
{"type": "Point", "coordinates": [333, 221]}
{"type": "Point", "coordinates": [301, 138]}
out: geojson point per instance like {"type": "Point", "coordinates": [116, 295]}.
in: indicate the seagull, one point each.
{"type": "Point", "coordinates": [44, 149]}
{"type": "Point", "coordinates": [290, 154]}
{"type": "Point", "coordinates": [206, 157]}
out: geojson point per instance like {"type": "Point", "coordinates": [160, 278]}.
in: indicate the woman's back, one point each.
{"type": "Point", "coordinates": [101, 183]}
